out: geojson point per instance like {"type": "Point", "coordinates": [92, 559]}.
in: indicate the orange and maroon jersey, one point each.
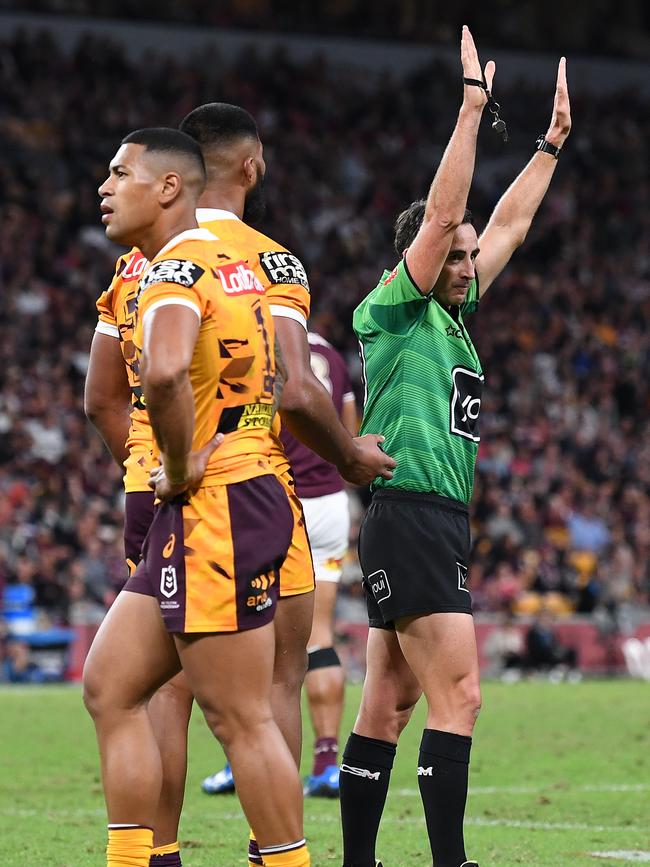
{"type": "Point", "coordinates": [232, 372]}
{"type": "Point", "coordinates": [287, 292]}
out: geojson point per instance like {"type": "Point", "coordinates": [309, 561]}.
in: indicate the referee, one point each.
{"type": "Point", "coordinates": [423, 391]}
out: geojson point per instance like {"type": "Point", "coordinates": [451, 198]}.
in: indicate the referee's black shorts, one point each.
{"type": "Point", "coordinates": [414, 553]}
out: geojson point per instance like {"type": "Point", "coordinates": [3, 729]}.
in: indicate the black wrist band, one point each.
{"type": "Point", "coordinates": [546, 147]}
{"type": "Point", "coordinates": [498, 125]}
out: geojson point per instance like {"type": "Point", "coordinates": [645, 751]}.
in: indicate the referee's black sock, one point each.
{"type": "Point", "coordinates": [443, 767]}
{"type": "Point", "coordinates": [363, 786]}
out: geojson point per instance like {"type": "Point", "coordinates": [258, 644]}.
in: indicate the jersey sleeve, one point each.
{"type": "Point", "coordinates": [173, 281]}
{"type": "Point", "coordinates": [287, 285]}
{"type": "Point", "coordinates": [105, 304]}
{"type": "Point", "coordinates": [394, 306]}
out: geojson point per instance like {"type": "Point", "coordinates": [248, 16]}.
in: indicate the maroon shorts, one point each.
{"type": "Point", "coordinates": [138, 515]}
{"type": "Point", "coordinates": [212, 561]}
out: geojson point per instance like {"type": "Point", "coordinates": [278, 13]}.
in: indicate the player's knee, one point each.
{"type": "Point", "coordinates": [237, 721]}
{"type": "Point", "coordinates": [96, 692]}
{"type": "Point", "coordinates": [469, 699]}
{"type": "Point", "coordinates": [403, 714]}
{"type": "Point", "coordinates": [290, 665]}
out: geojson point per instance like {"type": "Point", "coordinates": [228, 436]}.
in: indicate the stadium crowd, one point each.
{"type": "Point", "coordinates": [562, 508]}
{"type": "Point", "coordinates": [585, 26]}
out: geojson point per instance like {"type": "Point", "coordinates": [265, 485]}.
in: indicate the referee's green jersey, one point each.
{"type": "Point", "coordinates": [423, 383]}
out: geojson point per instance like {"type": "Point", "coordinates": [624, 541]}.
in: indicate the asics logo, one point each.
{"type": "Point", "coordinates": [168, 550]}
{"type": "Point", "coordinates": [360, 772]}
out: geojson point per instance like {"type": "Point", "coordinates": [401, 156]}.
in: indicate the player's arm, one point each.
{"type": "Point", "coordinates": [169, 336]}
{"type": "Point", "coordinates": [350, 416]}
{"type": "Point", "coordinates": [107, 396]}
{"type": "Point", "coordinates": [513, 215]}
{"type": "Point", "coordinates": [447, 198]}
{"type": "Point", "coordinates": [308, 412]}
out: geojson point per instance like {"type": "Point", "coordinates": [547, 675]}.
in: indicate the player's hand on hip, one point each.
{"type": "Point", "coordinates": [197, 462]}
{"type": "Point", "coordinates": [560, 125]}
{"type": "Point", "coordinates": [368, 461]}
{"type": "Point", "coordinates": [473, 96]}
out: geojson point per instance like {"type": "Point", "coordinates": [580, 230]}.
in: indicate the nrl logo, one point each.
{"type": "Point", "coordinates": [168, 582]}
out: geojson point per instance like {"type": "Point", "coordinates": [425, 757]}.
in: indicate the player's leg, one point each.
{"type": "Point", "coordinates": [239, 537]}
{"type": "Point", "coordinates": [235, 697]}
{"type": "Point", "coordinates": [132, 656]}
{"type": "Point", "coordinates": [328, 524]}
{"type": "Point", "coordinates": [453, 695]}
{"type": "Point", "coordinates": [390, 692]}
{"type": "Point", "coordinates": [292, 622]}
{"type": "Point", "coordinates": [325, 689]}
{"type": "Point", "coordinates": [169, 710]}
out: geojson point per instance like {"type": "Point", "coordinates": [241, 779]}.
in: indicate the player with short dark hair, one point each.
{"type": "Point", "coordinates": [423, 388]}
{"type": "Point", "coordinates": [205, 593]}
{"type": "Point", "coordinates": [235, 167]}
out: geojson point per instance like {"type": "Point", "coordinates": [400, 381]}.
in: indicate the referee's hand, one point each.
{"type": "Point", "coordinates": [368, 461]}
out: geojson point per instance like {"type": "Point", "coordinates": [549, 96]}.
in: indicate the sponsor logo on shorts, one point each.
{"type": "Point", "coordinates": [237, 279]}
{"type": "Point", "coordinates": [168, 550]}
{"type": "Point", "coordinates": [360, 772]}
{"type": "Point", "coordinates": [283, 268]}
{"type": "Point", "coordinates": [179, 271]}
{"type": "Point", "coordinates": [168, 581]}
{"type": "Point", "coordinates": [461, 570]}
{"type": "Point", "coordinates": [425, 772]}
{"type": "Point", "coordinates": [465, 403]}
{"type": "Point", "coordinates": [260, 599]}
{"type": "Point", "coordinates": [379, 585]}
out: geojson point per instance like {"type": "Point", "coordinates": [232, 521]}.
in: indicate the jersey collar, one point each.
{"type": "Point", "coordinates": [207, 215]}
{"type": "Point", "coordinates": [187, 235]}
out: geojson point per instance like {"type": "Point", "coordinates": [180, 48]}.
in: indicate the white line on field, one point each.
{"type": "Point", "coordinates": [535, 790]}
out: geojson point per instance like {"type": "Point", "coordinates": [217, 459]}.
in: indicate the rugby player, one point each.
{"type": "Point", "coordinates": [204, 595]}
{"type": "Point", "coordinates": [424, 382]}
{"type": "Point", "coordinates": [324, 499]}
{"type": "Point", "coordinates": [234, 158]}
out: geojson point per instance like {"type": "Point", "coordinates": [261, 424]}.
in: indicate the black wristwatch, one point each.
{"type": "Point", "coordinates": [546, 147]}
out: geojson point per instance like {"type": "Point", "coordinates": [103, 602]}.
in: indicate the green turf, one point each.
{"type": "Point", "coordinates": [558, 772]}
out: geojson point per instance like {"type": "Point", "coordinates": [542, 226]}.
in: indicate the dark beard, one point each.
{"type": "Point", "coordinates": [255, 204]}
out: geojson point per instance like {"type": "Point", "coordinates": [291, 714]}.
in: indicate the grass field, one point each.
{"type": "Point", "coordinates": [559, 772]}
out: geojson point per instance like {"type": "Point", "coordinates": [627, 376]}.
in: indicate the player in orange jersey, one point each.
{"type": "Point", "coordinates": [204, 595]}
{"type": "Point", "coordinates": [233, 151]}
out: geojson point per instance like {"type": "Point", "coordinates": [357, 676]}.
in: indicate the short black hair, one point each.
{"type": "Point", "coordinates": [219, 123]}
{"type": "Point", "coordinates": [407, 225]}
{"type": "Point", "coordinates": [161, 139]}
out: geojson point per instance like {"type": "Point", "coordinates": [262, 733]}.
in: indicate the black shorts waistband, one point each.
{"type": "Point", "coordinates": [418, 497]}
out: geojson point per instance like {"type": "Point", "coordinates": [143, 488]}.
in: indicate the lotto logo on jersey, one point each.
{"type": "Point", "coordinates": [237, 279]}
{"type": "Point", "coordinates": [135, 267]}
{"type": "Point", "coordinates": [283, 268]}
{"type": "Point", "coordinates": [179, 271]}
{"type": "Point", "coordinates": [465, 403]}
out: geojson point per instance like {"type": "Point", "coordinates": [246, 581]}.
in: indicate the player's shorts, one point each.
{"type": "Point", "coordinates": [328, 526]}
{"type": "Point", "coordinates": [138, 515]}
{"type": "Point", "coordinates": [414, 553]}
{"type": "Point", "coordinates": [212, 561]}
{"type": "Point", "coordinates": [297, 572]}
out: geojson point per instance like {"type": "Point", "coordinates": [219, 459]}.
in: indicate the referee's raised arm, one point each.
{"type": "Point", "coordinates": [447, 198]}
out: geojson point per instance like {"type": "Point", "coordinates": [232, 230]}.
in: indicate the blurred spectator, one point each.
{"type": "Point", "coordinates": [545, 652]}
{"type": "Point", "coordinates": [505, 649]}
